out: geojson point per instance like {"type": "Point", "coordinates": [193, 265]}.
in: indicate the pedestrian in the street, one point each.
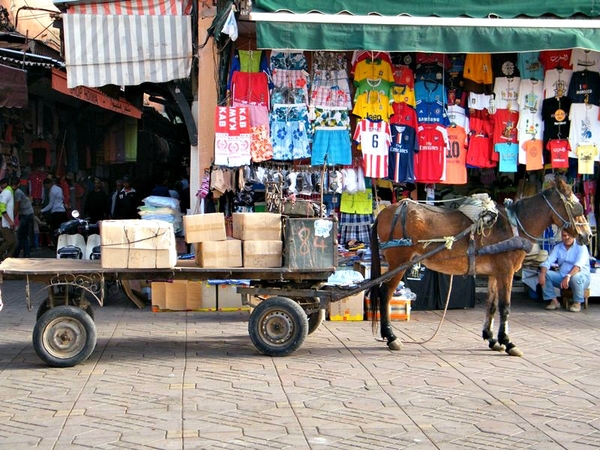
{"type": "Point", "coordinates": [55, 207]}
{"type": "Point", "coordinates": [7, 210]}
{"type": "Point", "coordinates": [113, 197]}
{"type": "Point", "coordinates": [97, 204]}
{"type": "Point", "coordinates": [24, 212]}
{"type": "Point", "coordinates": [128, 200]}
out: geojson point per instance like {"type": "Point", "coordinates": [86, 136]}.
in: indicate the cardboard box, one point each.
{"type": "Point", "coordinates": [219, 253]}
{"type": "Point", "coordinates": [262, 253]}
{"type": "Point", "coordinates": [204, 227]}
{"type": "Point", "coordinates": [257, 226]}
{"type": "Point", "coordinates": [201, 296]}
{"type": "Point", "coordinates": [138, 244]}
{"type": "Point", "coordinates": [228, 299]}
{"type": "Point", "coordinates": [159, 295]}
{"type": "Point", "coordinates": [398, 309]}
{"type": "Point", "coordinates": [176, 295]}
{"type": "Point", "coordinates": [349, 308]}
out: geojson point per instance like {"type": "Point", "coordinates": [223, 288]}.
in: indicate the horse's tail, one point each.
{"type": "Point", "coordinates": [374, 293]}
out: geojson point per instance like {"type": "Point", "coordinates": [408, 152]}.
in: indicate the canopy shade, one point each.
{"type": "Point", "coordinates": [469, 26]}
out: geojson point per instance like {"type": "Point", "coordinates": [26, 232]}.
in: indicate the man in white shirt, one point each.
{"type": "Point", "coordinates": [7, 210]}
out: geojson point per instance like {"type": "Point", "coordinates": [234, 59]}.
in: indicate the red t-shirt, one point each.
{"type": "Point", "coordinates": [559, 153]}
{"type": "Point", "coordinates": [430, 161]}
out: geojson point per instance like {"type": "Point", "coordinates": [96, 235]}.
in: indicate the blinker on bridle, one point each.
{"type": "Point", "coordinates": [573, 208]}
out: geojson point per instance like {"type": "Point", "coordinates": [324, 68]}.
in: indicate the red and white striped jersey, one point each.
{"type": "Point", "coordinates": [374, 138]}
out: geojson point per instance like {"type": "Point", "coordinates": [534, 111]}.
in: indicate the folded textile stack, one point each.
{"type": "Point", "coordinates": [162, 208]}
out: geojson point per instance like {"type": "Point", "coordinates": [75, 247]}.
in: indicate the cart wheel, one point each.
{"type": "Point", "coordinates": [44, 307]}
{"type": "Point", "coordinates": [278, 326]}
{"type": "Point", "coordinates": [64, 336]}
{"type": "Point", "coordinates": [315, 320]}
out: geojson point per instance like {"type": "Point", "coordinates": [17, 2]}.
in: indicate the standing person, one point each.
{"type": "Point", "coordinates": [573, 272]}
{"type": "Point", "coordinates": [127, 203]}
{"type": "Point", "coordinates": [97, 204]}
{"type": "Point", "coordinates": [24, 209]}
{"type": "Point", "coordinates": [7, 210]}
{"type": "Point", "coordinates": [113, 197]}
{"type": "Point", "coordinates": [55, 206]}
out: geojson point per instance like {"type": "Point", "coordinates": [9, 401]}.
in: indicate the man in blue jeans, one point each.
{"type": "Point", "coordinates": [573, 261]}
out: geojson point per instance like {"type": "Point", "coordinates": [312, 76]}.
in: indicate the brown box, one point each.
{"type": "Point", "coordinates": [138, 244]}
{"type": "Point", "coordinates": [349, 308]}
{"type": "Point", "coordinates": [201, 296]}
{"type": "Point", "coordinates": [159, 295]}
{"type": "Point", "coordinates": [219, 253]}
{"type": "Point", "coordinates": [176, 295]}
{"type": "Point", "coordinates": [257, 226]}
{"type": "Point", "coordinates": [262, 253]}
{"type": "Point", "coordinates": [204, 227]}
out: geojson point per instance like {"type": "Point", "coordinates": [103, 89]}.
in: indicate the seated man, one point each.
{"type": "Point", "coordinates": [573, 262]}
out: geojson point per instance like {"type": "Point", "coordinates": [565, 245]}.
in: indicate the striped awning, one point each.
{"type": "Point", "coordinates": [127, 43]}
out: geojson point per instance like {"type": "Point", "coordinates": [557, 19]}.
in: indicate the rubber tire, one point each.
{"type": "Point", "coordinates": [44, 307]}
{"type": "Point", "coordinates": [278, 326]}
{"type": "Point", "coordinates": [315, 320]}
{"type": "Point", "coordinates": [78, 333]}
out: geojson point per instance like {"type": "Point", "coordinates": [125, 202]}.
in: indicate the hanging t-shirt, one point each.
{"type": "Point", "coordinates": [456, 156]}
{"type": "Point", "coordinates": [374, 138]}
{"type": "Point", "coordinates": [586, 155]}
{"type": "Point", "coordinates": [530, 126]}
{"type": "Point", "coordinates": [403, 75]}
{"type": "Point", "coordinates": [556, 82]}
{"type": "Point", "coordinates": [551, 59]}
{"type": "Point", "coordinates": [585, 59]}
{"type": "Point", "coordinates": [457, 116]}
{"type": "Point", "coordinates": [402, 153]}
{"type": "Point", "coordinates": [559, 153]}
{"type": "Point", "coordinates": [585, 127]}
{"type": "Point", "coordinates": [430, 160]}
{"type": "Point", "coordinates": [534, 150]}
{"type": "Point", "coordinates": [404, 94]}
{"type": "Point", "coordinates": [378, 85]}
{"type": "Point", "coordinates": [585, 87]}
{"type": "Point", "coordinates": [508, 156]}
{"type": "Point", "coordinates": [480, 152]}
{"type": "Point", "coordinates": [531, 95]}
{"type": "Point", "coordinates": [530, 65]}
{"type": "Point", "coordinates": [505, 126]}
{"type": "Point", "coordinates": [506, 90]}
{"type": "Point", "coordinates": [555, 113]}
{"type": "Point", "coordinates": [361, 55]}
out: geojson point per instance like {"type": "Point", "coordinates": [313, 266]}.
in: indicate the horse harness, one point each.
{"type": "Point", "coordinates": [513, 243]}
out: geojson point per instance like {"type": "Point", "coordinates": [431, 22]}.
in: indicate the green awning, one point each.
{"type": "Point", "coordinates": [441, 8]}
{"type": "Point", "coordinates": [469, 26]}
{"type": "Point", "coordinates": [443, 39]}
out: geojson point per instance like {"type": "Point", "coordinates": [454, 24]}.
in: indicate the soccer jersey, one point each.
{"type": "Point", "coordinates": [379, 85]}
{"type": "Point", "coordinates": [373, 69]}
{"type": "Point", "coordinates": [559, 153]}
{"type": "Point", "coordinates": [585, 127]}
{"type": "Point", "coordinates": [374, 106]}
{"type": "Point", "coordinates": [430, 91]}
{"type": "Point", "coordinates": [456, 156]}
{"type": "Point", "coordinates": [403, 76]}
{"type": "Point", "coordinates": [402, 153]}
{"type": "Point", "coordinates": [555, 113]}
{"type": "Point", "coordinates": [404, 114]}
{"type": "Point", "coordinates": [430, 160]}
{"type": "Point", "coordinates": [534, 149]}
{"type": "Point", "coordinates": [556, 82]}
{"type": "Point", "coordinates": [508, 156]}
{"type": "Point", "coordinates": [457, 116]}
{"type": "Point", "coordinates": [404, 94]}
{"type": "Point", "coordinates": [374, 138]}
{"type": "Point", "coordinates": [586, 154]}
{"type": "Point", "coordinates": [432, 112]}
{"type": "Point", "coordinates": [480, 152]}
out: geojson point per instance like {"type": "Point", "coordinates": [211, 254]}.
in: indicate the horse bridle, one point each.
{"type": "Point", "coordinates": [570, 206]}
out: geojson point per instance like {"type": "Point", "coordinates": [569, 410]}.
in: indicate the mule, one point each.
{"type": "Point", "coordinates": [406, 230]}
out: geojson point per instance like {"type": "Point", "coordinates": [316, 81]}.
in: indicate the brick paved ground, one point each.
{"type": "Point", "coordinates": [195, 381]}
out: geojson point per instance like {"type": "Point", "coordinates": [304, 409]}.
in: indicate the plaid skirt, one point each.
{"type": "Point", "coordinates": [355, 226]}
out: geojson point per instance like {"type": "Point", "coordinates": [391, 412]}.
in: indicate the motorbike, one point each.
{"type": "Point", "coordinates": [78, 239]}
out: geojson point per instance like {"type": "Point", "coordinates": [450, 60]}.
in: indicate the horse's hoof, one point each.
{"type": "Point", "coordinates": [498, 347]}
{"type": "Point", "coordinates": [514, 352]}
{"type": "Point", "coordinates": [395, 345]}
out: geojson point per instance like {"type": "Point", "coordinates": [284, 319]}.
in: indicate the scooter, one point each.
{"type": "Point", "coordinates": [72, 244]}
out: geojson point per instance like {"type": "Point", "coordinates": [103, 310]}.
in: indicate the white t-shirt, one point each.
{"type": "Point", "coordinates": [556, 82]}
{"type": "Point", "coordinates": [506, 90]}
{"type": "Point", "coordinates": [585, 60]}
{"type": "Point", "coordinates": [531, 95]}
{"type": "Point", "coordinates": [585, 127]}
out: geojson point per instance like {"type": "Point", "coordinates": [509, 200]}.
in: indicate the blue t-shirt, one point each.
{"type": "Point", "coordinates": [509, 156]}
